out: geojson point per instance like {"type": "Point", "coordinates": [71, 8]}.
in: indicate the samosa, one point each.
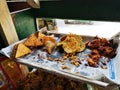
{"type": "Point", "coordinates": [19, 50]}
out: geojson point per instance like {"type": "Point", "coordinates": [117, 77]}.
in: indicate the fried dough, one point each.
{"type": "Point", "coordinates": [19, 50]}
{"type": "Point", "coordinates": [34, 40]}
{"type": "Point", "coordinates": [71, 43]}
{"type": "Point", "coordinates": [40, 35]}
{"type": "Point", "coordinates": [49, 43]}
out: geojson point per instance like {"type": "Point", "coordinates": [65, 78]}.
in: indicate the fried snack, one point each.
{"type": "Point", "coordinates": [19, 50]}
{"type": "Point", "coordinates": [34, 40]}
{"type": "Point", "coordinates": [92, 63]}
{"type": "Point", "coordinates": [103, 46]}
{"type": "Point", "coordinates": [100, 47]}
{"type": "Point", "coordinates": [71, 43]}
{"type": "Point", "coordinates": [40, 35]}
{"type": "Point", "coordinates": [94, 44]}
{"type": "Point", "coordinates": [49, 43]}
{"type": "Point", "coordinates": [40, 80]}
{"type": "Point", "coordinates": [94, 57]}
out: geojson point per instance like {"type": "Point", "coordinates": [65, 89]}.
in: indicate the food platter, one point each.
{"type": "Point", "coordinates": [39, 59]}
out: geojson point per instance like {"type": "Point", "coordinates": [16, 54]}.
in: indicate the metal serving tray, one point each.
{"type": "Point", "coordinates": [38, 59]}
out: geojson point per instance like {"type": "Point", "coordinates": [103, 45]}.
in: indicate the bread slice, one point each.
{"type": "Point", "coordinates": [19, 50]}
{"type": "Point", "coordinates": [33, 41]}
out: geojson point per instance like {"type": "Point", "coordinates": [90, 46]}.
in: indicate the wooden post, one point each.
{"type": "Point", "coordinates": [34, 3]}
{"type": "Point", "coordinates": [7, 29]}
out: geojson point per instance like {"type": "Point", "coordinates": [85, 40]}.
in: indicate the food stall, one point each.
{"type": "Point", "coordinates": [75, 61]}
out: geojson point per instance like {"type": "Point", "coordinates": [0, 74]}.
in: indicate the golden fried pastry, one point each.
{"type": "Point", "coordinates": [40, 35]}
{"type": "Point", "coordinates": [34, 40]}
{"type": "Point", "coordinates": [19, 50]}
{"type": "Point", "coordinates": [71, 43]}
{"type": "Point", "coordinates": [49, 43]}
